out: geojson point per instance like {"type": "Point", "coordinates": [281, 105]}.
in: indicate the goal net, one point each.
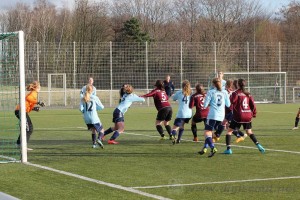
{"type": "Point", "coordinates": [12, 89]}
{"type": "Point", "coordinates": [266, 87]}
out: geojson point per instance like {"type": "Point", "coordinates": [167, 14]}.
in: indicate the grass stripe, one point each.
{"type": "Point", "coordinates": [128, 189]}
{"type": "Point", "coordinates": [218, 182]}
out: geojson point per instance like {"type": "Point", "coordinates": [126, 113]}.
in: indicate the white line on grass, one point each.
{"type": "Point", "coordinates": [128, 189]}
{"type": "Point", "coordinates": [245, 147]}
{"type": "Point", "coordinates": [218, 182]}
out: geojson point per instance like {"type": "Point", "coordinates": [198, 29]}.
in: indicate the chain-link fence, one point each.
{"type": "Point", "coordinates": [141, 64]}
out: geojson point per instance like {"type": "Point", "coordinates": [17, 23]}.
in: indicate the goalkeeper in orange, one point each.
{"type": "Point", "coordinates": [31, 101]}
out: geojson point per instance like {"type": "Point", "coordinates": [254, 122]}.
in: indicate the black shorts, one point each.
{"type": "Point", "coordinates": [236, 125]}
{"type": "Point", "coordinates": [197, 119]}
{"type": "Point", "coordinates": [164, 114]}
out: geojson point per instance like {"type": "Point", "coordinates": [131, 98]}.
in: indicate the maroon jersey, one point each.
{"type": "Point", "coordinates": [160, 98]}
{"type": "Point", "coordinates": [228, 110]}
{"type": "Point", "coordinates": [243, 107]}
{"type": "Point", "coordinates": [197, 100]}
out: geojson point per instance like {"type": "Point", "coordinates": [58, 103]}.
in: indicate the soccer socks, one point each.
{"type": "Point", "coordinates": [160, 130]}
{"type": "Point", "coordinates": [228, 141]}
{"type": "Point", "coordinates": [253, 138]}
{"type": "Point", "coordinates": [209, 142]}
{"type": "Point", "coordinates": [108, 131]}
{"type": "Point", "coordinates": [94, 138]}
{"type": "Point", "coordinates": [100, 135]}
{"type": "Point", "coordinates": [173, 133]}
{"type": "Point", "coordinates": [180, 132]}
{"type": "Point", "coordinates": [296, 122]}
{"type": "Point", "coordinates": [194, 130]}
{"type": "Point", "coordinates": [115, 135]}
{"type": "Point", "coordinates": [169, 130]}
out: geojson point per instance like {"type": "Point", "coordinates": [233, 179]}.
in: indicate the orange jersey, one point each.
{"type": "Point", "coordinates": [31, 100]}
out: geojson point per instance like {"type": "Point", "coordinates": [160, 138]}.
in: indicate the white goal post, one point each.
{"type": "Point", "coordinates": [57, 90]}
{"type": "Point", "coordinates": [266, 87]}
{"type": "Point", "coordinates": [12, 87]}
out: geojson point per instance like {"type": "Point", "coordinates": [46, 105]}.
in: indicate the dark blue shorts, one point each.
{"type": "Point", "coordinates": [236, 125]}
{"type": "Point", "coordinates": [118, 116]}
{"type": "Point", "coordinates": [96, 126]}
{"type": "Point", "coordinates": [180, 121]}
{"type": "Point", "coordinates": [212, 124]}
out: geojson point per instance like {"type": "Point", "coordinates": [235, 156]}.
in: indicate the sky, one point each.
{"type": "Point", "coordinates": [270, 5]}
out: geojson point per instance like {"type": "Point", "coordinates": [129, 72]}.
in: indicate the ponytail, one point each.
{"type": "Point", "coordinates": [242, 85]}
{"type": "Point", "coordinates": [217, 83]}
{"type": "Point", "coordinates": [88, 92]}
{"type": "Point", "coordinates": [186, 88]}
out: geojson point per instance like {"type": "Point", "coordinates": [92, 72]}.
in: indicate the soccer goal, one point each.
{"type": "Point", "coordinates": [12, 89]}
{"type": "Point", "coordinates": [57, 89]}
{"type": "Point", "coordinates": [266, 87]}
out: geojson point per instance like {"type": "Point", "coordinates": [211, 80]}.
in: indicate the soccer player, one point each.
{"type": "Point", "coordinates": [197, 100]}
{"type": "Point", "coordinates": [118, 114]}
{"type": "Point", "coordinates": [217, 99]}
{"type": "Point", "coordinates": [31, 102]}
{"type": "Point", "coordinates": [297, 120]}
{"type": "Point", "coordinates": [184, 112]}
{"type": "Point", "coordinates": [163, 107]}
{"type": "Point", "coordinates": [244, 109]}
{"type": "Point", "coordinates": [89, 105]}
{"type": "Point", "coordinates": [82, 91]}
{"type": "Point", "coordinates": [220, 75]}
{"type": "Point", "coordinates": [169, 86]}
{"type": "Point", "coordinates": [228, 117]}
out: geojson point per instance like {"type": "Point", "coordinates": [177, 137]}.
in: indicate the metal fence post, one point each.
{"type": "Point", "coordinates": [111, 75]}
{"type": "Point", "coordinates": [181, 63]}
{"type": "Point", "coordinates": [74, 70]}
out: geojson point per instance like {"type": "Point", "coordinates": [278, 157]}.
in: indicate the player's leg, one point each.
{"type": "Point", "coordinates": [167, 120]}
{"type": "Point", "coordinates": [248, 128]}
{"type": "Point", "coordinates": [194, 129]}
{"type": "Point", "coordinates": [297, 120]}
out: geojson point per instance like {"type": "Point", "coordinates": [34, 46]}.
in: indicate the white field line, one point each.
{"type": "Point", "coordinates": [128, 189]}
{"type": "Point", "coordinates": [218, 182]}
{"type": "Point", "coordinates": [245, 147]}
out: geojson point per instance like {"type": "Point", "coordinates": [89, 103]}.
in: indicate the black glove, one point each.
{"type": "Point", "coordinates": [37, 109]}
{"type": "Point", "coordinates": [41, 103]}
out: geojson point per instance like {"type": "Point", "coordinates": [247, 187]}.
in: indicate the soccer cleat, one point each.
{"type": "Point", "coordinates": [171, 137]}
{"type": "Point", "coordinates": [228, 151]}
{"type": "Point", "coordinates": [94, 146]}
{"type": "Point", "coordinates": [195, 139]}
{"type": "Point", "coordinates": [295, 128]}
{"type": "Point", "coordinates": [203, 151]}
{"type": "Point", "coordinates": [173, 140]}
{"type": "Point", "coordinates": [112, 142]}
{"type": "Point", "coordinates": [212, 152]}
{"type": "Point", "coordinates": [260, 148]}
{"type": "Point", "coordinates": [215, 139]}
{"type": "Point", "coordinates": [240, 139]}
{"type": "Point", "coordinates": [178, 141]}
{"type": "Point", "coordinates": [100, 143]}
{"type": "Point", "coordinates": [163, 138]}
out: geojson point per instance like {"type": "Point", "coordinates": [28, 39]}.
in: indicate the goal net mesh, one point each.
{"type": "Point", "coordinates": [265, 87]}
{"type": "Point", "coordinates": [9, 98]}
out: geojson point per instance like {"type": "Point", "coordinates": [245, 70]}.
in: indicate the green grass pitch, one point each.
{"type": "Point", "coordinates": [144, 163]}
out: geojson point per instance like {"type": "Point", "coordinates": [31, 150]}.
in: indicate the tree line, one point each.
{"type": "Point", "coordinates": [154, 20]}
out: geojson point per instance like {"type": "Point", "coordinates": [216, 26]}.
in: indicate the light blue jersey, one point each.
{"type": "Point", "coordinates": [184, 110]}
{"type": "Point", "coordinates": [127, 100]}
{"type": "Point", "coordinates": [89, 110]}
{"type": "Point", "coordinates": [223, 82]}
{"type": "Point", "coordinates": [217, 101]}
{"type": "Point", "coordinates": [83, 90]}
